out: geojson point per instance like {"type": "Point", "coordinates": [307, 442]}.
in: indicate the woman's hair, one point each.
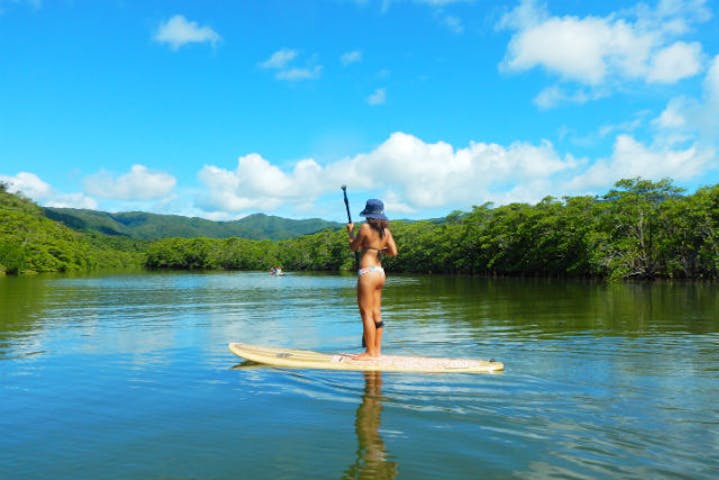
{"type": "Point", "coordinates": [378, 224]}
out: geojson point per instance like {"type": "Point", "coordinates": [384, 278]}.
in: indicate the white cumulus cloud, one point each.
{"type": "Point", "coordinates": [637, 45]}
{"type": "Point", "coordinates": [378, 97]}
{"type": "Point", "coordinates": [410, 173]}
{"type": "Point", "coordinates": [349, 58]}
{"type": "Point", "coordinates": [140, 183]}
{"type": "Point", "coordinates": [696, 119]}
{"type": "Point", "coordinates": [295, 74]}
{"type": "Point", "coordinates": [72, 200]}
{"type": "Point", "coordinates": [675, 62]}
{"type": "Point", "coordinates": [554, 95]}
{"type": "Point", "coordinates": [711, 83]}
{"type": "Point", "coordinates": [280, 59]}
{"type": "Point", "coordinates": [436, 174]}
{"type": "Point", "coordinates": [282, 62]}
{"type": "Point", "coordinates": [178, 32]}
{"type": "Point", "coordinates": [414, 176]}
{"type": "Point", "coordinates": [256, 184]}
{"type": "Point", "coordinates": [631, 158]}
{"type": "Point", "coordinates": [28, 183]}
{"type": "Point", "coordinates": [40, 191]}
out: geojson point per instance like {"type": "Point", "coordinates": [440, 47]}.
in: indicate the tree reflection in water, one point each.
{"type": "Point", "coordinates": [372, 459]}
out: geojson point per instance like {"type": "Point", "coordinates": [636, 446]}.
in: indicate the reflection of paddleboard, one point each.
{"type": "Point", "coordinates": [283, 357]}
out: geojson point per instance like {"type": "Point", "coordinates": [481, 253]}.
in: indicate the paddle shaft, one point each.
{"type": "Point", "coordinates": [349, 220]}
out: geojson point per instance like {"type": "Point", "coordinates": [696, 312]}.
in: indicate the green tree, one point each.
{"type": "Point", "coordinates": [625, 242]}
{"type": "Point", "coordinates": [689, 244]}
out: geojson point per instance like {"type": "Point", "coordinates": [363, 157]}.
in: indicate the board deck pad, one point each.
{"type": "Point", "coordinates": [283, 357]}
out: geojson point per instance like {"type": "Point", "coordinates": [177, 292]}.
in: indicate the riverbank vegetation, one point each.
{"type": "Point", "coordinates": [640, 229]}
{"type": "Point", "coordinates": [31, 243]}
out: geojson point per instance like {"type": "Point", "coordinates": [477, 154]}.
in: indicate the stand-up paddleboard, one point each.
{"type": "Point", "coordinates": [283, 357]}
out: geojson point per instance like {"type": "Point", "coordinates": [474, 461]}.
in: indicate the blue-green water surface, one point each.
{"type": "Point", "coordinates": [129, 377]}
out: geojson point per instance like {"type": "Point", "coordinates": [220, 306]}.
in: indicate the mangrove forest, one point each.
{"type": "Point", "coordinates": [640, 229]}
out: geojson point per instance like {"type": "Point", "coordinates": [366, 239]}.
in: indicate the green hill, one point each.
{"type": "Point", "coordinates": [32, 243]}
{"type": "Point", "coordinates": [150, 226]}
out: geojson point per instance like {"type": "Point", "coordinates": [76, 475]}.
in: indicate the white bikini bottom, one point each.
{"type": "Point", "coordinates": [372, 268]}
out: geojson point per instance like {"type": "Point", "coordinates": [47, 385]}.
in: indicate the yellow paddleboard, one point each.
{"type": "Point", "coordinates": [283, 357]}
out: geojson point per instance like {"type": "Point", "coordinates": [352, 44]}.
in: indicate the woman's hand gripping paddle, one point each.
{"type": "Point", "coordinates": [349, 220]}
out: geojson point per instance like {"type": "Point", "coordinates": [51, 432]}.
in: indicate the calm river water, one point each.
{"type": "Point", "coordinates": [129, 377]}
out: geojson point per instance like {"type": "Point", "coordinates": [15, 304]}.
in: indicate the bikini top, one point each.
{"type": "Point", "coordinates": [379, 252]}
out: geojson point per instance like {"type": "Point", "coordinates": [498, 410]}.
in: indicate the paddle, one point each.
{"type": "Point", "coordinates": [349, 220]}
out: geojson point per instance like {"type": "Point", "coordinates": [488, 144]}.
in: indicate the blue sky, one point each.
{"type": "Point", "coordinates": [223, 109]}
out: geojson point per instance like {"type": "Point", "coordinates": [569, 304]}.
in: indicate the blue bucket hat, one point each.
{"type": "Point", "coordinates": [374, 209]}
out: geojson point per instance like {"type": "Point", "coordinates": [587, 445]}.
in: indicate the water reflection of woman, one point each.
{"type": "Point", "coordinates": [371, 462]}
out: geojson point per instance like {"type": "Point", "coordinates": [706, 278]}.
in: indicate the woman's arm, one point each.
{"type": "Point", "coordinates": [390, 247]}
{"type": "Point", "coordinates": [356, 241]}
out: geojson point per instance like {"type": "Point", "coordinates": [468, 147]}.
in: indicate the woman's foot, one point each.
{"type": "Point", "coordinates": [366, 356]}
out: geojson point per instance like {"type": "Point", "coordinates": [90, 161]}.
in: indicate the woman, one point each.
{"type": "Point", "coordinates": [373, 239]}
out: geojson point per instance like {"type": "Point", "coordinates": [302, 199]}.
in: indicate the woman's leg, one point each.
{"type": "Point", "coordinates": [369, 291]}
{"type": "Point", "coordinates": [377, 317]}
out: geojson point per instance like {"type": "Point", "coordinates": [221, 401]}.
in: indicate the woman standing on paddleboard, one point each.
{"type": "Point", "coordinates": [373, 239]}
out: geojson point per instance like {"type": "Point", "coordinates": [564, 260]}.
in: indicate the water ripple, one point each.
{"type": "Point", "coordinates": [600, 382]}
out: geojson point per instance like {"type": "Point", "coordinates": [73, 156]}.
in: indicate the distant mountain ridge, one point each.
{"type": "Point", "coordinates": [152, 226]}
